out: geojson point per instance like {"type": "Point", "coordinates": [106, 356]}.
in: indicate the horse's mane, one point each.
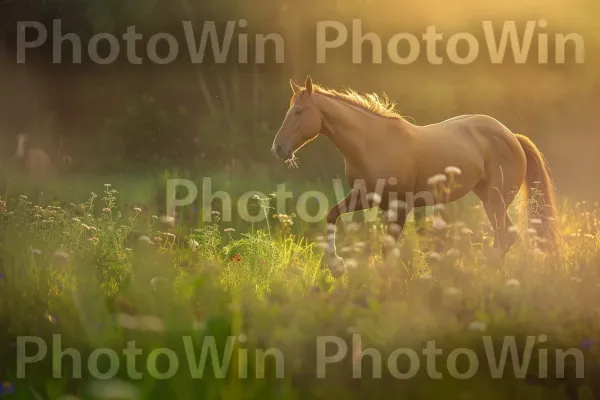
{"type": "Point", "coordinates": [372, 102]}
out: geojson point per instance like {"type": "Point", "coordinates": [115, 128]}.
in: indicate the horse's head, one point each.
{"type": "Point", "coordinates": [302, 122]}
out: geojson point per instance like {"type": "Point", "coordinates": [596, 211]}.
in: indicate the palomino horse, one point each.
{"type": "Point", "coordinates": [389, 159]}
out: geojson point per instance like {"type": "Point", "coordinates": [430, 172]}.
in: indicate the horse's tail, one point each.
{"type": "Point", "coordinates": [540, 200]}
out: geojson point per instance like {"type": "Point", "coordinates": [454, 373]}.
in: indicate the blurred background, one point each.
{"type": "Point", "coordinates": [207, 118]}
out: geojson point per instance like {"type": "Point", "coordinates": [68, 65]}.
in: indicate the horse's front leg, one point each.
{"type": "Point", "coordinates": [395, 217]}
{"type": "Point", "coordinates": [351, 203]}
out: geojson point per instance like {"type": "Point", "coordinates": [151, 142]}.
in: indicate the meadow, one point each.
{"type": "Point", "coordinates": [104, 270]}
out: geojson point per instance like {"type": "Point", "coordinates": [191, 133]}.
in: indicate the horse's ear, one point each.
{"type": "Point", "coordinates": [309, 84]}
{"type": "Point", "coordinates": [295, 88]}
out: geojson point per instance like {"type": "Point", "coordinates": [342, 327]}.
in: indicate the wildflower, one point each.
{"type": "Point", "coordinates": [359, 246]}
{"type": "Point", "coordinates": [513, 283]}
{"type": "Point", "coordinates": [76, 220]}
{"type": "Point", "coordinates": [62, 255]}
{"type": "Point", "coordinates": [229, 230]}
{"type": "Point", "coordinates": [535, 221]}
{"type": "Point", "coordinates": [391, 215]}
{"type": "Point", "coordinates": [374, 197]}
{"type": "Point", "coordinates": [7, 388]}
{"type": "Point", "coordinates": [236, 257]}
{"type": "Point", "coordinates": [435, 179]}
{"type": "Point", "coordinates": [435, 256]}
{"type": "Point", "coordinates": [198, 325]}
{"type": "Point", "coordinates": [397, 205]}
{"type": "Point", "coordinates": [346, 250]}
{"type": "Point", "coordinates": [23, 197]}
{"type": "Point", "coordinates": [36, 251]}
{"type": "Point", "coordinates": [453, 252]}
{"type": "Point", "coordinates": [439, 224]}
{"type": "Point", "coordinates": [127, 321]}
{"type": "Point", "coordinates": [106, 210]}
{"type": "Point", "coordinates": [466, 231]}
{"type": "Point", "coordinates": [450, 170]}
{"type": "Point", "coordinates": [150, 323]}
{"type": "Point", "coordinates": [145, 239]}
{"type": "Point", "coordinates": [154, 282]}
{"type": "Point", "coordinates": [256, 197]}
{"type": "Point", "coordinates": [352, 227]}
{"type": "Point", "coordinates": [137, 210]}
{"type": "Point", "coordinates": [114, 389]}
{"type": "Point", "coordinates": [193, 244]}
{"type": "Point", "coordinates": [351, 330]}
{"type": "Point", "coordinates": [351, 263]}
{"type": "Point", "coordinates": [477, 326]}
{"type": "Point", "coordinates": [167, 219]}
{"type": "Point", "coordinates": [532, 231]}
{"type": "Point", "coordinates": [216, 213]}
{"type": "Point", "coordinates": [452, 291]}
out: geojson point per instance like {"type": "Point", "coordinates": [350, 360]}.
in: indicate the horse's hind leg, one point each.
{"type": "Point", "coordinates": [496, 203]}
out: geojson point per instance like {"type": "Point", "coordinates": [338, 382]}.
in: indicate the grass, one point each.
{"type": "Point", "coordinates": [105, 274]}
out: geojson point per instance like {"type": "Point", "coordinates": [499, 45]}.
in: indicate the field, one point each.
{"type": "Point", "coordinates": [104, 271]}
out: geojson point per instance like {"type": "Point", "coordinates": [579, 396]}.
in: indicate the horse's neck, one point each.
{"type": "Point", "coordinates": [350, 127]}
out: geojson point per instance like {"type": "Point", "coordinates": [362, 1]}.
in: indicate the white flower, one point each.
{"type": "Point", "coordinates": [167, 219]}
{"type": "Point", "coordinates": [450, 170]}
{"type": "Point", "coordinates": [352, 227]}
{"type": "Point", "coordinates": [151, 323]}
{"type": "Point", "coordinates": [374, 197]}
{"type": "Point", "coordinates": [351, 263]}
{"type": "Point", "coordinates": [154, 282]}
{"type": "Point", "coordinates": [62, 255]}
{"type": "Point", "coordinates": [535, 221]}
{"type": "Point", "coordinates": [229, 230]}
{"type": "Point", "coordinates": [397, 205]}
{"type": "Point", "coordinates": [439, 224]}
{"type": "Point", "coordinates": [345, 250]}
{"type": "Point", "coordinates": [513, 283]}
{"type": "Point", "coordinates": [114, 389]}
{"type": "Point", "coordinates": [193, 244]}
{"type": "Point", "coordinates": [477, 326]}
{"type": "Point", "coordinates": [466, 231]}
{"type": "Point", "coordinates": [351, 330]}
{"type": "Point", "coordinates": [434, 255]}
{"type": "Point", "coordinates": [36, 251]}
{"type": "Point", "coordinates": [144, 239]}
{"type": "Point", "coordinates": [127, 321]}
{"type": "Point", "coordinates": [453, 252]}
{"type": "Point", "coordinates": [435, 179]}
{"type": "Point", "coordinates": [532, 231]}
{"type": "Point", "coordinates": [452, 291]}
{"type": "Point", "coordinates": [137, 209]}
{"type": "Point", "coordinates": [391, 215]}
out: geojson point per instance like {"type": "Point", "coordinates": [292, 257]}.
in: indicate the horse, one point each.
{"type": "Point", "coordinates": [388, 159]}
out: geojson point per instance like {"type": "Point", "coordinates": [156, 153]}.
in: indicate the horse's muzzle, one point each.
{"type": "Point", "coordinates": [280, 152]}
